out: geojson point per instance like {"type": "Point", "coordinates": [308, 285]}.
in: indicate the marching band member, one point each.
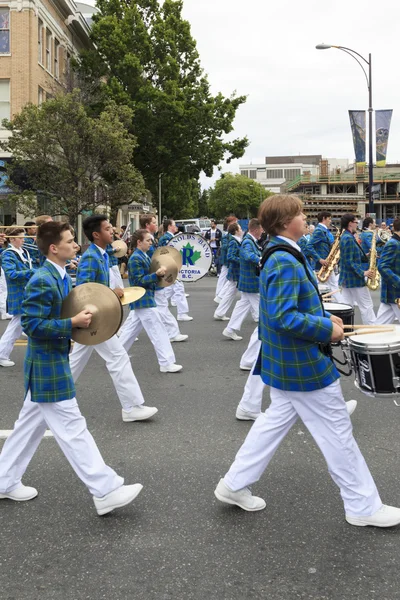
{"type": "Point", "coordinates": [319, 247]}
{"type": "Point", "coordinates": [303, 243]}
{"type": "Point", "coordinates": [233, 259]}
{"type": "Point", "coordinates": [4, 315]}
{"type": "Point", "coordinates": [93, 268]}
{"type": "Point", "coordinates": [367, 233]}
{"type": "Point", "coordinates": [389, 269]}
{"type": "Point", "coordinates": [30, 244]}
{"type": "Point", "coordinates": [248, 284]}
{"type": "Point", "coordinates": [17, 267]}
{"type": "Point", "coordinates": [49, 389]}
{"type": "Point", "coordinates": [149, 223]}
{"type": "Point", "coordinates": [144, 313]}
{"type": "Point", "coordinates": [222, 258]}
{"type": "Point", "coordinates": [353, 271]}
{"type": "Point", "coordinates": [304, 382]}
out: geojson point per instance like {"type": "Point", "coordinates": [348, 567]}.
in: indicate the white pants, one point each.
{"type": "Point", "coordinates": [362, 297]}
{"type": "Point", "coordinates": [148, 319]}
{"type": "Point", "coordinates": [115, 278]}
{"type": "Point", "coordinates": [168, 319]}
{"type": "Point", "coordinates": [9, 337]}
{"type": "Point", "coordinates": [324, 413]}
{"type": "Point", "coordinates": [3, 293]}
{"type": "Point", "coordinates": [251, 400]}
{"type": "Point", "coordinates": [71, 434]}
{"type": "Point", "coordinates": [387, 313]}
{"type": "Point", "coordinates": [176, 292]}
{"type": "Point", "coordinates": [118, 365]}
{"type": "Point", "coordinates": [247, 302]}
{"type": "Point", "coordinates": [252, 351]}
{"type": "Point", "coordinates": [229, 293]}
{"type": "Point", "coordinates": [333, 283]}
{"type": "Point", "coordinates": [222, 279]}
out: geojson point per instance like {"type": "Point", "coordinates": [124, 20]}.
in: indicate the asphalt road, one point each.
{"type": "Point", "coordinates": [176, 542]}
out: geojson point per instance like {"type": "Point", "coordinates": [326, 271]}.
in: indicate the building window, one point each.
{"type": "Point", "coordinates": [4, 31]}
{"type": "Point", "coordinates": [40, 42]}
{"type": "Point", "coordinates": [48, 50]}
{"type": "Point", "coordinates": [274, 173]}
{"type": "Point", "coordinates": [56, 58]}
{"type": "Point", "coordinates": [4, 100]}
{"type": "Point", "coordinates": [245, 173]}
{"type": "Point", "coordinates": [41, 96]}
{"type": "Point", "coordinates": [291, 174]}
{"type": "Point", "coordinates": [253, 174]}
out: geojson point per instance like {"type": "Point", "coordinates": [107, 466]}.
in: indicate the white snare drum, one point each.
{"type": "Point", "coordinates": [343, 311]}
{"type": "Point", "coordinates": [375, 359]}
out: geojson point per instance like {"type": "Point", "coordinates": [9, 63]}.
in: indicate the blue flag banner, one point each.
{"type": "Point", "coordinates": [358, 129]}
{"type": "Point", "coordinates": [382, 126]}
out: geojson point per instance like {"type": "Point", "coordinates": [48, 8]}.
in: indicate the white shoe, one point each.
{"type": "Point", "coordinates": [219, 318]}
{"type": "Point", "coordinates": [187, 295]}
{"type": "Point", "coordinates": [20, 494]}
{"type": "Point", "coordinates": [246, 415]}
{"type": "Point", "coordinates": [173, 303]}
{"type": "Point", "coordinates": [119, 497]}
{"type": "Point", "coordinates": [138, 413]}
{"type": "Point", "coordinates": [386, 516]}
{"type": "Point", "coordinates": [244, 367]}
{"type": "Point", "coordinates": [351, 406]}
{"type": "Point", "coordinates": [179, 338]}
{"type": "Point", "coordinates": [172, 368]}
{"type": "Point", "coordinates": [243, 498]}
{"type": "Point", "coordinates": [217, 299]}
{"type": "Point", "coordinates": [4, 362]}
{"type": "Point", "coordinates": [231, 334]}
{"type": "Point", "coordinates": [184, 317]}
{"type": "Point", "coordinates": [6, 317]}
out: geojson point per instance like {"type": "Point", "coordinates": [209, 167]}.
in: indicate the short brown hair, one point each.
{"type": "Point", "coordinates": [278, 210]}
{"type": "Point", "coordinates": [50, 233]}
{"type": "Point", "coordinates": [42, 219]}
{"type": "Point", "coordinates": [145, 220]}
{"type": "Point", "coordinates": [13, 231]}
{"type": "Point", "coordinates": [138, 236]}
{"type": "Point", "coordinates": [233, 228]}
{"type": "Point", "coordinates": [253, 224]}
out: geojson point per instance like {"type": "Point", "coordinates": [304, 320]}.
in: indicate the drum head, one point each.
{"type": "Point", "coordinates": [376, 343]}
{"type": "Point", "coordinates": [196, 256]}
{"type": "Point", "coordinates": [335, 307]}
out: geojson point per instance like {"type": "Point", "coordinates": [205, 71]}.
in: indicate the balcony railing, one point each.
{"type": "Point", "coordinates": [380, 176]}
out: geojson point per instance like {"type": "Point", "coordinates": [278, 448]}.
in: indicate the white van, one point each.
{"type": "Point", "coordinates": [203, 223]}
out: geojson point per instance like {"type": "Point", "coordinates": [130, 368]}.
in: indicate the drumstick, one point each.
{"type": "Point", "coordinates": [367, 331]}
{"type": "Point", "coordinates": [387, 327]}
{"type": "Point", "coordinates": [329, 294]}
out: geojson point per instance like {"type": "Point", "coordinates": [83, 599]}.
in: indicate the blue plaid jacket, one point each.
{"type": "Point", "coordinates": [291, 325]}
{"type": "Point", "coordinates": [17, 274]}
{"type": "Point", "coordinates": [92, 267]}
{"type": "Point", "coordinates": [389, 268]}
{"type": "Point", "coordinates": [46, 368]}
{"type": "Point", "coordinates": [366, 241]}
{"type": "Point", "coordinates": [165, 239]}
{"type": "Point", "coordinates": [353, 262]}
{"type": "Point", "coordinates": [113, 260]}
{"type": "Point", "coordinates": [303, 243]}
{"type": "Point", "coordinates": [223, 249]}
{"type": "Point", "coordinates": [37, 257]}
{"type": "Point", "coordinates": [233, 259]}
{"type": "Point", "coordinates": [320, 243]}
{"type": "Point", "coordinates": [249, 255]}
{"type": "Point", "coordinates": [138, 270]}
{"type": "Point", "coordinates": [151, 251]}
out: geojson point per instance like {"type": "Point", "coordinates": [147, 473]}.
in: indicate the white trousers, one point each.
{"type": "Point", "coordinates": [252, 351]}
{"type": "Point", "coordinates": [252, 398]}
{"type": "Point", "coordinates": [247, 303]}
{"type": "Point", "coordinates": [9, 337]}
{"type": "Point", "coordinates": [222, 279]}
{"type": "Point", "coordinates": [115, 278]}
{"type": "Point", "coordinates": [168, 319]}
{"type": "Point", "coordinates": [229, 293]}
{"type": "Point", "coordinates": [71, 434]}
{"type": "Point", "coordinates": [118, 365]}
{"type": "Point", "coordinates": [333, 283]}
{"type": "Point", "coordinates": [3, 293]}
{"type": "Point", "coordinates": [176, 292]}
{"type": "Point", "coordinates": [324, 413]}
{"type": "Point", "coordinates": [148, 319]}
{"type": "Point", "coordinates": [362, 297]}
{"type": "Point", "coordinates": [387, 313]}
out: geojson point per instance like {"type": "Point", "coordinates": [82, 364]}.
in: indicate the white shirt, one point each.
{"type": "Point", "coordinates": [60, 269]}
{"type": "Point", "coordinates": [103, 252]}
{"type": "Point", "coordinates": [213, 243]}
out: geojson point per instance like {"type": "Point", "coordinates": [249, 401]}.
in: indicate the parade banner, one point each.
{"type": "Point", "coordinates": [196, 256]}
{"type": "Point", "coordinates": [382, 126]}
{"type": "Point", "coordinates": [358, 128]}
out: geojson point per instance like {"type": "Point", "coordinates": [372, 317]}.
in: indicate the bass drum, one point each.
{"type": "Point", "coordinates": [196, 256]}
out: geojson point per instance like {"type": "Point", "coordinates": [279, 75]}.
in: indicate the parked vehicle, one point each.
{"type": "Point", "coordinates": [203, 223]}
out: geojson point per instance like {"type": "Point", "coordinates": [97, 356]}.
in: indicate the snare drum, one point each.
{"type": "Point", "coordinates": [375, 359]}
{"type": "Point", "coordinates": [343, 311]}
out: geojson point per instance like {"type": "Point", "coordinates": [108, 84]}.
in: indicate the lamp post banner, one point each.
{"type": "Point", "coordinates": [358, 129]}
{"type": "Point", "coordinates": [382, 125]}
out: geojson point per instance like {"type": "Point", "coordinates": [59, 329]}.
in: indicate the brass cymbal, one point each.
{"type": "Point", "coordinates": [170, 251]}
{"type": "Point", "coordinates": [106, 309]}
{"type": "Point", "coordinates": [131, 294]}
{"type": "Point", "coordinates": [165, 260]}
{"type": "Point", "coordinates": [120, 248]}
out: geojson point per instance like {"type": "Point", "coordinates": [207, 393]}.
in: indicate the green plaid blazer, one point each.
{"type": "Point", "coordinates": [353, 262]}
{"type": "Point", "coordinates": [47, 373]}
{"type": "Point", "coordinates": [34, 252]}
{"type": "Point", "coordinates": [233, 259]}
{"type": "Point", "coordinates": [17, 275]}
{"type": "Point", "coordinates": [320, 243]}
{"type": "Point", "coordinates": [249, 256]}
{"type": "Point", "coordinates": [389, 268]}
{"type": "Point", "coordinates": [138, 270]}
{"type": "Point", "coordinates": [223, 249]}
{"type": "Point", "coordinates": [92, 267]}
{"type": "Point", "coordinates": [165, 239]}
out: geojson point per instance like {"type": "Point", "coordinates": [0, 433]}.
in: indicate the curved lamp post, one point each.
{"type": "Point", "coordinates": [368, 78]}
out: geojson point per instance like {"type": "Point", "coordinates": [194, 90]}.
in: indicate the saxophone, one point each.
{"type": "Point", "coordinates": [332, 259]}
{"type": "Point", "coordinates": [374, 282]}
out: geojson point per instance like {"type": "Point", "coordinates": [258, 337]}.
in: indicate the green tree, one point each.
{"type": "Point", "coordinates": [146, 58]}
{"type": "Point", "coordinates": [236, 194]}
{"type": "Point", "coordinates": [77, 161]}
{"type": "Point", "coordinates": [180, 197]}
{"type": "Point", "coordinates": [203, 204]}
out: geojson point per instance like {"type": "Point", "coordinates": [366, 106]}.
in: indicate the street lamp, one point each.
{"type": "Point", "coordinates": [159, 198]}
{"type": "Point", "coordinates": [368, 78]}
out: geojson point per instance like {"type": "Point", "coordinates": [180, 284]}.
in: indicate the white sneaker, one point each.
{"type": "Point", "coordinates": [6, 317]}
{"type": "Point", "coordinates": [386, 516]}
{"type": "Point", "coordinates": [4, 362]}
{"type": "Point", "coordinates": [179, 338]}
{"type": "Point", "coordinates": [231, 334]}
{"type": "Point", "coordinates": [243, 498]}
{"type": "Point", "coordinates": [351, 406]}
{"type": "Point", "coordinates": [246, 415]}
{"type": "Point", "coordinates": [184, 317]}
{"type": "Point", "coordinates": [20, 494]}
{"type": "Point", "coordinates": [119, 497]}
{"type": "Point", "coordinates": [138, 413]}
{"type": "Point", "coordinates": [217, 299]}
{"type": "Point", "coordinates": [219, 318]}
{"type": "Point", "coordinates": [172, 368]}
{"type": "Point", "coordinates": [244, 367]}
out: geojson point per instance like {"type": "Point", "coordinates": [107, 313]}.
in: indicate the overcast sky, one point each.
{"type": "Point", "coordinates": [299, 97]}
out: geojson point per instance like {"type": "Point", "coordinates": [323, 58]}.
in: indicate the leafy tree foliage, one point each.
{"type": "Point", "coordinates": [236, 194]}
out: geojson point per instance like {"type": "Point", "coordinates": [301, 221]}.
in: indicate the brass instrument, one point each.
{"type": "Point", "coordinates": [374, 282]}
{"type": "Point", "coordinates": [332, 259]}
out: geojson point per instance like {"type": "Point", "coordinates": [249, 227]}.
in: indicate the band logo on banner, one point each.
{"type": "Point", "coordinates": [358, 128]}
{"type": "Point", "coordinates": [382, 125]}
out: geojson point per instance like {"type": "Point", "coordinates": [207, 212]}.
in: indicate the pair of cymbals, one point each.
{"type": "Point", "coordinates": [120, 248]}
{"type": "Point", "coordinates": [171, 259]}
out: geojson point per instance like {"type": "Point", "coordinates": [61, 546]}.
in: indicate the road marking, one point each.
{"type": "Point", "coordinates": [5, 433]}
